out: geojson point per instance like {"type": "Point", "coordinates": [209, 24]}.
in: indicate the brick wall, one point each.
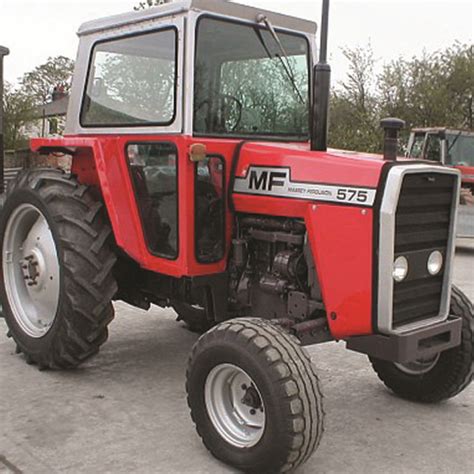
{"type": "Point", "coordinates": [26, 159]}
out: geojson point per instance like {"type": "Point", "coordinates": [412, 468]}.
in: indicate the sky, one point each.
{"type": "Point", "coordinates": [34, 30]}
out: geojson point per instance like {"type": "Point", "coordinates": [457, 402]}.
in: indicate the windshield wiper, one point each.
{"type": "Point", "coordinates": [261, 18]}
{"type": "Point", "coordinates": [454, 141]}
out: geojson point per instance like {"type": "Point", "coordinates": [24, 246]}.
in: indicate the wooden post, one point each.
{"type": "Point", "coordinates": [3, 52]}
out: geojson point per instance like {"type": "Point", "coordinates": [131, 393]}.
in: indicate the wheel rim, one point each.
{"type": "Point", "coordinates": [31, 270]}
{"type": "Point", "coordinates": [235, 405]}
{"type": "Point", "coordinates": [419, 366]}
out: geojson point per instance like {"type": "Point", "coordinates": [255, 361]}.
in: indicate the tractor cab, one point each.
{"type": "Point", "coordinates": [195, 67]}
{"type": "Point", "coordinates": [172, 91]}
{"type": "Point", "coordinates": [447, 146]}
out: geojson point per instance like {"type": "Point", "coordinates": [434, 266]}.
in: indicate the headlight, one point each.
{"type": "Point", "coordinates": [435, 262]}
{"type": "Point", "coordinates": [400, 269]}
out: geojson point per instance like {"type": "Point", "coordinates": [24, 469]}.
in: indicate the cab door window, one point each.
{"type": "Point", "coordinates": [210, 198]}
{"type": "Point", "coordinates": [154, 174]}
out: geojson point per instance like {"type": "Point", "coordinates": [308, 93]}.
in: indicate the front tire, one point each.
{"type": "Point", "coordinates": [440, 377]}
{"type": "Point", "coordinates": [56, 261]}
{"type": "Point", "coordinates": [254, 396]}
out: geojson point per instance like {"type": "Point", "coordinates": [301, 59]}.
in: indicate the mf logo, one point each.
{"type": "Point", "coordinates": [262, 179]}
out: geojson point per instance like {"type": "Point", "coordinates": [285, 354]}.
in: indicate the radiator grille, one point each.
{"type": "Point", "coordinates": [422, 225]}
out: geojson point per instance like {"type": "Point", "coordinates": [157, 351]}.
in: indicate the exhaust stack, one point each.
{"type": "Point", "coordinates": [392, 127]}
{"type": "Point", "coordinates": [321, 85]}
{"type": "Point", "coordinates": [3, 52]}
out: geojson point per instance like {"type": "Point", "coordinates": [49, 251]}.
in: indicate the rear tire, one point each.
{"type": "Point", "coordinates": [443, 376]}
{"type": "Point", "coordinates": [254, 396]}
{"type": "Point", "coordinates": [70, 325]}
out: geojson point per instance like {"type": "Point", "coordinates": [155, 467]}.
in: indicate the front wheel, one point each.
{"type": "Point", "coordinates": [439, 377]}
{"type": "Point", "coordinates": [254, 396]}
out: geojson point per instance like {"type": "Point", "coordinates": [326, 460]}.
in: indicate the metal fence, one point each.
{"type": "Point", "coordinates": [15, 161]}
{"type": "Point", "coordinates": [9, 174]}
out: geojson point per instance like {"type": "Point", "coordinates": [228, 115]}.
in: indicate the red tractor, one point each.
{"type": "Point", "coordinates": [200, 180]}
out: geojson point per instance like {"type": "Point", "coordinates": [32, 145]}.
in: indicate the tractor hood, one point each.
{"type": "Point", "coordinates": [294, 171]}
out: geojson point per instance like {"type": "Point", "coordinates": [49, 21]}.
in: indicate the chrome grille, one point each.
{"type": "Point", "coordinates": [417, 216]}
{"type": "Point", "coordinates": [422, 225]}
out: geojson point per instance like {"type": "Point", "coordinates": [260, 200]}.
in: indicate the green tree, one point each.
{"type": "Point", "coordinates": [434, 89]}
{"type": "Point", "coordinates": [41, 81]}
{"type": "Point", "coordinates": [354, 107]}
{"type": "Point", "coordinates": [18, 112]}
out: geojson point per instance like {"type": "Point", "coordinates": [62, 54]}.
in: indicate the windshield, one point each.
{"type": "Point", "coordinates": [242, 87]}
{"type": "Point", "coordinates": [460, 148]}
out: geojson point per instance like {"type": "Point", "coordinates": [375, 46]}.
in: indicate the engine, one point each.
{"type": "Point", "coordinates": [272, 271]}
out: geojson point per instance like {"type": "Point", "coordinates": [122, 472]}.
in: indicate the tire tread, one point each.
{"type": "Point", "coordinates": [305, 427]}
{"type": "Point", "coordinates": [86, 263]}
{"type": "Point", "coordinates": [457, 363]}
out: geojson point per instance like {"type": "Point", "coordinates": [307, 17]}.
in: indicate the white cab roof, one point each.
{"type": "Point", "coordinates": [220, 7]}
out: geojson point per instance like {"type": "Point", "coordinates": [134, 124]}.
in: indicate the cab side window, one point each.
{"type": "Point", "coordinates": [132, 81]}
{"type": "Point", "coordinates": [154, 173]}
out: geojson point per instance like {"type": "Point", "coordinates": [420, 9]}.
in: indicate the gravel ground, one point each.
{"type": "Point", "coordinates": [125, 411]}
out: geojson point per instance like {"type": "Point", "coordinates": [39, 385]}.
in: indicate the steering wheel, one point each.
{"type": "Point", "coordinates": [220, 119]}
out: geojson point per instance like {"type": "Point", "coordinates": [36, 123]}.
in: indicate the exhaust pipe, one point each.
{"type": "Point", "coordinates": [321, 88]}
{"type": "Point", "coordinates": [3, 52]}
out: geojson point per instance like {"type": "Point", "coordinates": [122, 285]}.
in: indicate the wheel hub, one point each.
{"type": "Point", "coordinates": [235, 405]}
{"type": "Point", "coordinates": [251, 397]}
{"type": "Point", "coordinates": [32, 269]}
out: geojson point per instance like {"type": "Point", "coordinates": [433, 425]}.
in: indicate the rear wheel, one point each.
{"type": "Point", "coordinates": [254, 396]}
{"type": "Point", "coordinates": [56, 266]}
{"type": "Point", "coordinates": [439, 377]}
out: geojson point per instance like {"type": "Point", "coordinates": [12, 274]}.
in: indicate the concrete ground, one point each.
{"type": "Point", "coordinates": [125, 411]}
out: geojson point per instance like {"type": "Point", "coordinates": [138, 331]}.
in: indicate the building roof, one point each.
{"type": "Point", "coordinates": [221, 7]}
{"type": "Point", "coordinates": [57, 108]}
{"type": "Point", "coordinates": [463, 131]}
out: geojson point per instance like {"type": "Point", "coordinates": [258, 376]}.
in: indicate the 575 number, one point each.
{"type": "Point", "coordinates": [352, 195]}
